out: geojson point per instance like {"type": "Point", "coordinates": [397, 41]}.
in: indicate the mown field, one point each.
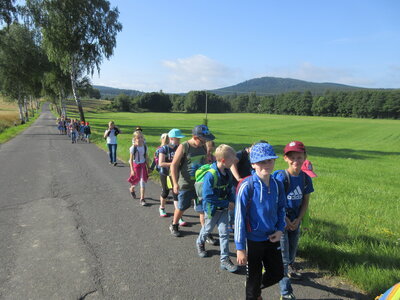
{"type": "Point", "coordinates": [9, 118]}
{"type": "Point", "coordinates": [355, 209]}
{"type": "Point", "coordinates": [8, 114]}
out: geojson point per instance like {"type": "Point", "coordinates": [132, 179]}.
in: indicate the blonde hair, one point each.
{"type": "Point", "coordinates": [224, 151]}
{"type": "Point", "coordinates": [135, 135]}
{"type": "Point", "coordinates": [164, 139]}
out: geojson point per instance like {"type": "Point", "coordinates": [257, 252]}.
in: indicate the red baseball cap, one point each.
{"type": "Point", "coordinates": [294, 146]}
{"type": "Point", "coordinates": [308, 168]}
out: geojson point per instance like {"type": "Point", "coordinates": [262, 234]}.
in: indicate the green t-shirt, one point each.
{"type": "Point", "coordinates": [193, 158]}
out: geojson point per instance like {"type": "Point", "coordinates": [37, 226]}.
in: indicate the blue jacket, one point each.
{"type": "Point", "coordinates": [219, 194]}
{"type": "Point", "coordinates": [265, 213]}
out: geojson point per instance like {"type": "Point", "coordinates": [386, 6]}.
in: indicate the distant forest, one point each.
{"type": "Point", "coordinates": [360, 103]}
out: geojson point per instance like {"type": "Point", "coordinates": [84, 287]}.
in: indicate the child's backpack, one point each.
{"type": "Point", "coordinates": [135, 151]}
{"type": "Point", "coordinates": [199, 179]}
{"type": "Point", "coordinates": [155, 162]}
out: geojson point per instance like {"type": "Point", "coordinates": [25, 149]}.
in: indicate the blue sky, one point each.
{"type": "Point", "coordinates": [178, 46]}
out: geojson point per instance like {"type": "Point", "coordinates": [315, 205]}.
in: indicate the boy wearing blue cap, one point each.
{"type": "Point", "coordinates": [260, 222]}
{"type": "Point", "coordinates": [189, 156]}
{"type": "Point", "coordinates": [298, 186]}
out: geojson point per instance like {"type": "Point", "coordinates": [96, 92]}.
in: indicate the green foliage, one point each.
{"type": "Point", "coordinates": [158, 102]}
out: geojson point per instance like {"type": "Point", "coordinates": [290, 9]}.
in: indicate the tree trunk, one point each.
{"type": "Point", "coordinates": [21, 111]}
{"type": "Point", "coordinates": [76, 96]}
{"type": "Point", "coordinates": [31, 106]}
{"type": "Point", "coordinates": [62, 104]}
{"type": "Point", "coordinates": [26, 109]}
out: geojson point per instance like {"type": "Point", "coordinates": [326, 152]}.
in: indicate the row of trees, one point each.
{"type": "Point", "coordinates": [362, 103]}
{"type": "Point", "coordinates": [51, 47]}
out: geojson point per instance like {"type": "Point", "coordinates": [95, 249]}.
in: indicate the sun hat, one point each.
{"type": "Point", "coordinates": [175, 133]}
{"type": "Point", "coordinates": [308, 168]}
{"type": "Point", "coordinates": [294, 146]}
{"type": "Point", "coordinates": [202, 131]}
{"type": "Point", "coordinates": [261, 152]}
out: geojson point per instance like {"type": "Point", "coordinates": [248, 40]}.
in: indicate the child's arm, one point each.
{"type": "Point", "coordinates": [131, 164]}
{"type": "Point", "coordinates": [235, 172]}
{"type": "Point", "coordinates": [240, 223]}
{"type": "Point", "coordinates": [174, 167]}
{"type": "Point", "coordinates": [303, 208]}
{"type": "Point", "coordinates": [161, 161]}
{"type": "Point", "coordinates": [275, 237]}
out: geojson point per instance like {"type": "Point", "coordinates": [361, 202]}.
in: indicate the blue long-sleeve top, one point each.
{"type": "Point", "coordinates": [265, 213]}
{"type": "Point", "coordinates": [219, 194]}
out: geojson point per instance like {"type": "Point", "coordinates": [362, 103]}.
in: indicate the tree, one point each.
{"type": "Point", "coordinates": [21, 65]}
{"type": "Point", "coordinates": [159, 102]}
{"type": "Point", "coordinates": [76, 35]}
{"type": "Point", "coordinates": [7, 11]}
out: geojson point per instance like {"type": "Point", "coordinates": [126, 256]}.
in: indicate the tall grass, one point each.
{"type": "Point", "coordinates": [355, 214]}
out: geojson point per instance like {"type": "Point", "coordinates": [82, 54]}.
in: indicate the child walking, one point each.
{"type": "Point", "coordinates": [138, 161]}
{"type": "Point", "coordinates": [169, 143]}
{"type": "Point", "coordinates": [259, 222]}
{"type": "Point", "coordinates": [217, 200]}
{"type": "Point", "coordinates": [298, 187]}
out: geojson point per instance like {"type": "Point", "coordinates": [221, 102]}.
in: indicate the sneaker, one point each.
{"type": "Point", "coordinates": [143, 202]}
{"type": "Point", "coordinates": [288, 297]}
{"type": "Point", "coordinates": [162, 212]}
{"type": "Point", "coordinates": [294, 274]}
{"type": "Point", "coordinates": [182, 223]}
{"type": "Point", "coordinates": [115, 164]}
{"type": "Point", "coordinates": [226, 264]}
{"type": "Point", "coordinates": [133, 194]}
{"type": "Point", "coordinates": [211, 240]}
{"type": "Point", "coordinates": [174, 228]}
{"type": "Point", "coordinates": [201, 250]}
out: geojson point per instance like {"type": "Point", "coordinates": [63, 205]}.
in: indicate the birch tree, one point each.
{"type": "Point", "coordinates": [77, 35]}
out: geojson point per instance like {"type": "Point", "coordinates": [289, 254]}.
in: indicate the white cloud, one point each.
{"type": "Point", "coordinates": [197, 72]}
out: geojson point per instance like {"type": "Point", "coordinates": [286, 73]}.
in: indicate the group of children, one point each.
{"type": "Point", "coordinates": [268, 206]}
{"type": "Point", "coordinates": [76, 131]}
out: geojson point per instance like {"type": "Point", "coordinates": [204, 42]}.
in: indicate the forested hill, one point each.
{"type": "Point", "coordinates": [109, 92]}
{"type": "Point", "coordinates": [275, 85]}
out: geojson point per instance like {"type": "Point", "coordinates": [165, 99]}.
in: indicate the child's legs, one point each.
{"type": "Point", "coordinates": [273, 265]}
{"type": "Point", "coordinates": [184, 199]}
{"type": "Point", "coordinates": [198, 207]}
{"type": "Point", "coordinates": [110, 149]}
{"type": "Point", "coordinates": [132, 188]}
{"type": "Point", "coordinates": [209, 224]}
{"type": "Point", "coordinates": [202, 218]}
{"type": "Point", "coordinates": [285, 284]}
{"type": "Point", "coordinates": [142, 184]}
{"type": "Point", "coordinates": [164, 190]}
{"type": "Point", "coordinates": [255, 253]}
{"type": "Point", "coordinates": [223, 219]}
{"type": "Point", "coordinates": [293, 237]}
{"type": "Point", "coordinates": [114, 152]}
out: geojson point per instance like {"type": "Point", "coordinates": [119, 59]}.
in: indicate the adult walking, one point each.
{"type": "Point", "coordinates": [111, 136]}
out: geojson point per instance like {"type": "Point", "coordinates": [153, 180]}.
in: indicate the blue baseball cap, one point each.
{"type": "Point", "coordinates": [175, 133]}
{"type": "Point", "coordinates": [202, 131]}
{"type": "Point", "coordinates": [262, 151]}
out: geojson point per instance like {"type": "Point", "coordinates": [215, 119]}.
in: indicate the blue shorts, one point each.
{"type": "Point", "coordinates": [198, 207]}
{"type": "Point", "coordinates": [185, 198]}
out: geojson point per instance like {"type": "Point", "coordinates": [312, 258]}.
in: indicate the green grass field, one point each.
{"type": "Point", "coordinates": [355, 214]}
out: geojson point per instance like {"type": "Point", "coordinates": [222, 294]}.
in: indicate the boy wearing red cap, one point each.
{"type": "Point", "coordinates": [298, 187]}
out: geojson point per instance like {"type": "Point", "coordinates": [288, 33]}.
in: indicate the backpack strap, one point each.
{"type": "Point", "coordinates": [250, 191]}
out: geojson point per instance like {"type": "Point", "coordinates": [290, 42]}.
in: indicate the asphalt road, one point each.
{"type": "Point", "coordinates": [70, 230]}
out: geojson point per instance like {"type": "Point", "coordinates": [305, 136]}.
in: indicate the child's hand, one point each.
{"type": "Point", "coordinates": [132, 173]}
{"type": "Point", "coordinates": [241, 257]}
{"type": "Point", "coordinates": [295, 224]}
{"type": "Point", "coordinates": [231, 206]}
{"type": "Point", "coordinates": [176, 189]}
{"type": "Point", "coordinates": [275, 237]}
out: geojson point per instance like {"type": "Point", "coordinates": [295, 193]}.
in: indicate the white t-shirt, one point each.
{"type": "Point", "coordinates": [111, 138]}
{"type": "Point", "coordinates": [139, 156]}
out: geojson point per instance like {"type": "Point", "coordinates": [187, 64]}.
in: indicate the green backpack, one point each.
{"type": "Point", "coordinates": [199, 177]}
